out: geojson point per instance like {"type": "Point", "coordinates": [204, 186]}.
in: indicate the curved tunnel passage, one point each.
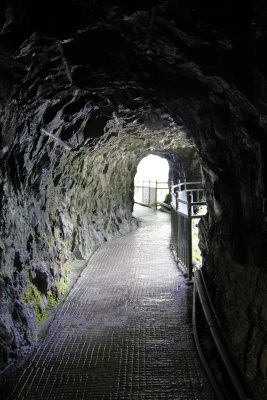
{"type": "Point", "coordinates": [75, 124]}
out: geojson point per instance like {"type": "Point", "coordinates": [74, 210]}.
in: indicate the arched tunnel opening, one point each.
{"type": "Point", "coordinates": [151, 182]}
{"type": "Point", "coordinates": [152, 167]}
{"type": "Point", "coordinates": [82, 102]}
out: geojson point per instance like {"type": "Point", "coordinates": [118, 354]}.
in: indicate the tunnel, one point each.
{"type": "Point", "coordinates": [88, 89]}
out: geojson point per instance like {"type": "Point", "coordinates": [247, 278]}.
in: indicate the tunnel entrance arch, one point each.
{"type": "Point", "coordinates": [152, 167]}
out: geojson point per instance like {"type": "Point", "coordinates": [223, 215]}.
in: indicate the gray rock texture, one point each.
{"type": "Point", "coordinates": [90, 88]}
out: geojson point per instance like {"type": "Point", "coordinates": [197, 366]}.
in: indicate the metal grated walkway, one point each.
{"type": "Point", "coordinates": [124, 331]}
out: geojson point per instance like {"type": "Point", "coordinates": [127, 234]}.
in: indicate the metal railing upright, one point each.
{"type": "Point", "coordinates": [186, 198]}
{"type": "Point", "coordinates": [236, 385]}
{"type": "Point", "coordinates": [230, 382]}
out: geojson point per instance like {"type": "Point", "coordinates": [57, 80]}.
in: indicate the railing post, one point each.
{"type": "Point", "coordinates": [156, 195]}
{"type": "Point", "coordinates": [189, 256]}
{"type": "Point", "coordinates": [177, 196]}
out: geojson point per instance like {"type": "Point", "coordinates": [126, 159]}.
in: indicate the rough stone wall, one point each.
{"type": "Point", "coordinates": [68, 164]}
{"type": "Point", "coordinates": [75, 201]}
{"type": "Point", "coordinates": [112, 72]}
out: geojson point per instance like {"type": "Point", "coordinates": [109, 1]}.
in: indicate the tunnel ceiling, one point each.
{"type": "Point", "coordinates": [87, 90]}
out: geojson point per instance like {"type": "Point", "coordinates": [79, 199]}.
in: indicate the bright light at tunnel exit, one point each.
{"type": "Point", "coordinates": [152, 168]}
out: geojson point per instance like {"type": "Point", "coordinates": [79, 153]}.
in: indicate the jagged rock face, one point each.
{"type": "Point", "coordinates": [69, 156]}
{"type": "Point", "coordinates": [83, 101]}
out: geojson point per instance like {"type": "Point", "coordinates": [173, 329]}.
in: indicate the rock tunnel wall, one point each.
{"type": "Point", "coordinates": [67, 171]}
{"type": "Point", "coordinates": [59, 205]}
{"type": "Point", "coordinates": [84, 101]}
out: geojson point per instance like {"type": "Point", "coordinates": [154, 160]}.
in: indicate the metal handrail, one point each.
{"type": "Point", "coordinates": [151, 181]}
{"type": "Point", "coordinates": [187, 189]}
{"type": "Point", "coordinates": [200, 351]}
{"type": "Point", "coordinates": [239, 380]}
{"type": "Point", "coordinates": [182, 217]}
{"type": "Point", "coordinates": [185, 184]}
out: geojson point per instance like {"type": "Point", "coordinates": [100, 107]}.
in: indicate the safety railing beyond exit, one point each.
{"type": "Point", "coordinates": [150, 193]}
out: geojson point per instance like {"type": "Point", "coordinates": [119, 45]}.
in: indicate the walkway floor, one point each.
{"type": "Point", "coordinates": [124, 331]}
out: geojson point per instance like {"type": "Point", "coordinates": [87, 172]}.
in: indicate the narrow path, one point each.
{"type": "Point", "coordinates": [124, 331]}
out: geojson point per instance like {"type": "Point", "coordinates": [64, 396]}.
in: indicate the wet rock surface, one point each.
{"type": "Point", "coordinates": [83, 100]}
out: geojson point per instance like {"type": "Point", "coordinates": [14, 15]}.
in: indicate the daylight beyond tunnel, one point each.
{"type": "Point", "coordinates": [152, 168]}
